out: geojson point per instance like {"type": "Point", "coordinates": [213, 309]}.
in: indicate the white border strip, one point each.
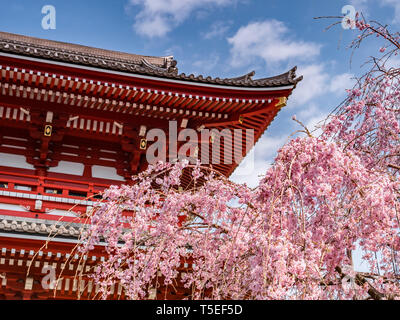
{"type": "Point", "coordinates": [145, 77]}
{"type": "Point", "coordinates": [33, 196]}
{"type": "Point", "coordinates": [33, 237]}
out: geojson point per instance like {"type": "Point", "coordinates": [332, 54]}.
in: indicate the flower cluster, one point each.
{"type": "Point", "coordinates": [283, 240]}
{"type": "Point", "coordinates": [290, 238]}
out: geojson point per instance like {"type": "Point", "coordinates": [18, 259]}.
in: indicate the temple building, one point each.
{"type": "Point", "coordinates": [73, 121]}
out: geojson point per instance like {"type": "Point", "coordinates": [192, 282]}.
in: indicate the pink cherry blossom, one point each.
{"type": "Point", "coordinates": [293, 236]}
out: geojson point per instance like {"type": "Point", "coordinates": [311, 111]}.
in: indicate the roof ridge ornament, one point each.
{"type": "Point", "coordinates": [151, 66]}
{"type": "Point", "coordinates": [172, 67]}
{"type": "Point", "coordinates": [246, 77]}
{"type": "Point", "coordinates": [284, 78]}
{"type": "Point", "coordinates": [292, 75]}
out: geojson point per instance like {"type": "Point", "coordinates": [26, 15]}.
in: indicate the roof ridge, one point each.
{"type": "Point", "coordinates": [88, 50]}
{"type": "Point", "coordinates": [163, 67]}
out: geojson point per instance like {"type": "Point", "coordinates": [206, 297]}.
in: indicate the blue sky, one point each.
{"type": "Point", "coordinates": [224, 38]}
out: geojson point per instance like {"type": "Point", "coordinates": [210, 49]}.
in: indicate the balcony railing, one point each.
{"type": "Point", "coordinates": [57, 193]}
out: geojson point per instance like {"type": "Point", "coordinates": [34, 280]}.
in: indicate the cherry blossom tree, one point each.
{"type": "Point", "coordinates": [293, 236]}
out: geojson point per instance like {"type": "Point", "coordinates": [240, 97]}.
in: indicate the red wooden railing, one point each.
{"type": "Point", "coordinates": [56, 187]}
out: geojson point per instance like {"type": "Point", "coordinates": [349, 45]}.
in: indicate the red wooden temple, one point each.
{"type": "Point", "coordinates": [72, 122]}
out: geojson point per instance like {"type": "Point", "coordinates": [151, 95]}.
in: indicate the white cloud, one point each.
{"type": "Point", "coordinates": [206, 65]}
{"type": "Point", "coordinates": [318, 82]}
{"type": "Point", "coordinates": [158, 17]}
{"type": "Point", "coordinates": [396, 5]}
{"type": "Point", "coordinates": [314, 84]}
{"type": "Point", "coordinates": [269, 40]}
{"type": "Point", "coordinates": [341, 82]}
{"type": "Point", "coordinates": [393, 62]}
{"type": "Point", "coordinates": [217, 29]}
{"type": "Point", "coordinates": [314, 123]}
{"type": "Point", "coordinates": [362, 6]}
{"type": "Point", "coordinates": [261, 157]}
{"type": "Point", "coordinates": [312, 117]}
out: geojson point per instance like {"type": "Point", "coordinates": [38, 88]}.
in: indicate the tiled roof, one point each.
{"type": "Point", "coordinates": [42, 227]}
{"type": "Point", "coordinates": [39, 227]}
{"type": "Point", "coordinates": [163, 67]}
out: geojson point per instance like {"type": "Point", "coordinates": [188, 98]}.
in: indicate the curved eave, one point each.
{"type": "Point", "coordinates": [165, 80]}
